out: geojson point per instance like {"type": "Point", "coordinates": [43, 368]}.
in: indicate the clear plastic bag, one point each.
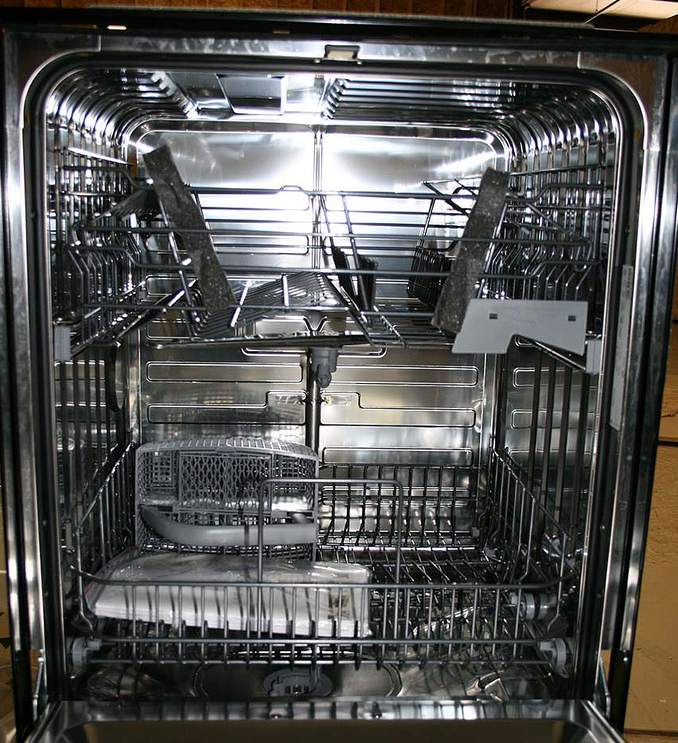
{"type": "Point", "coordinates": [221, 592]}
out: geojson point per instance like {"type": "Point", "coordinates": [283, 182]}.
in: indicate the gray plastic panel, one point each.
{"type": "Point", "coordinates": [490, 324]}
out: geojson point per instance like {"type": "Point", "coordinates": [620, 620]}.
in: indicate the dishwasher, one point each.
{"type": "Point", "coordinates": [332, 351]}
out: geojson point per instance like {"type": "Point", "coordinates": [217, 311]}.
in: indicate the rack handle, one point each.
{"type": "Point", "coordinates": [242, 535]}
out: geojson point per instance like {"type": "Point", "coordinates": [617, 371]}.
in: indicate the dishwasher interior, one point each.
{"type": "Point", "coordinates": [288, 482]}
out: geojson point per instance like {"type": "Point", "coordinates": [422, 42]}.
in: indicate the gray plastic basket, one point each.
{"type": "Point", "coordinates": [204, 494]}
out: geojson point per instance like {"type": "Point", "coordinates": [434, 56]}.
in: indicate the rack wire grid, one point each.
{"type": "Point", "coordinates": [353, 267]}
{"type": "Point", "coordinates": [466, 566]}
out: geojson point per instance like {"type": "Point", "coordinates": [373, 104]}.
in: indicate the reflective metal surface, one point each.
{"type": "Point", "coordinates": [551, 722]}
{"type": "Point", "coordinates": [630, 539]}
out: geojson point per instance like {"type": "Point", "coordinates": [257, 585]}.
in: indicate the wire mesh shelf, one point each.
{"type": "Point", "coordinates": [351, 267]}
{"type": "Point", "coordinates": [435, 564]}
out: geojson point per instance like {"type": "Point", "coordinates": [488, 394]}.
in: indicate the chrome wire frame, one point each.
{"type": "Point", "coordinates": [356, 258]}
{"type": "Point", "coordinates": [444, 589]}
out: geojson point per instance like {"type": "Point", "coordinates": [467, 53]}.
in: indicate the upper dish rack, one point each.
{"type": "Point", "coordinates": [350, 267]}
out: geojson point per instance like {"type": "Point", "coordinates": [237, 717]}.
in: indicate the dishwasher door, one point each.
{"type": "Point", "coordinates": [556, 722]}
{"type": "Point", "coordinates": [38, 50]}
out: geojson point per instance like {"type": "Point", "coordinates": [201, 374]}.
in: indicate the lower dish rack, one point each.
{"type": "Point", "coordinates": [414, 564]}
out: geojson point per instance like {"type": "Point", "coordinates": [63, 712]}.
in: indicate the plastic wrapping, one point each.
{"type": "Point", "coordinates": [197, 590]}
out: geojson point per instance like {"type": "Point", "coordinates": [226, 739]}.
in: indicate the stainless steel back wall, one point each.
{"type": "Point", "coordinates": [383, 406]}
